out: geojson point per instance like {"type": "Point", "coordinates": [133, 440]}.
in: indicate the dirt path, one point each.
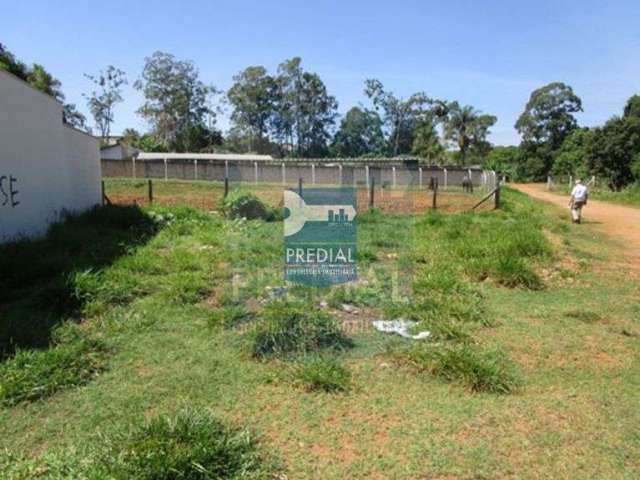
{"type": "Point", "coordinates": [618, 221]}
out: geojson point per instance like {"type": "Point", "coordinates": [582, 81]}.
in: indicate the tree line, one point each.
{"type": "Point", "coordinates": [290, 113]}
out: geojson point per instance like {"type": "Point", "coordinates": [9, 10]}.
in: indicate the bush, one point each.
{"type": "Point", "coordinates": [481, 371]}
{"type": "Point", "coordinates": [285, 328]}
{"type": "Point", "coordinates": [324, 374]}
{"type": "Point", "coordinates": [33, 374]}
{"type": "Point", "coordinates": [241, 204]}
{"type": "Point", "coordinates": [191, 445]}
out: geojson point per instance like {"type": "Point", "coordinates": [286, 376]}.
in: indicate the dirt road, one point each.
{"type": "Point", "coordinates": [618, 221]}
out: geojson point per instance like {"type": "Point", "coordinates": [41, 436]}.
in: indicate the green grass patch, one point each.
{"type": "Point", "coordinates": [322, 374]}
{"type": "Point", "coordinates": [286, 327]}
{"type": "Point", "coordinates": [34, 374]}
{"type": "Point", "coordinates": [586, 316]}
{"type": "Point", "coordinates": [479, 370]}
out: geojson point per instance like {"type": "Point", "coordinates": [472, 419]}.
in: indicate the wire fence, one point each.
{"type": "Point", "coordinates": [561, 182]}
{"type": "Point", "coordinates": [208, 195]}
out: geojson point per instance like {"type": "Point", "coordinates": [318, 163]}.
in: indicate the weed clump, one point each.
{"type": "Point", "coordinates": [292, 327]}
{"type": "Point", "coordinates": [190, 445]}
{"type": "Point", "coordinates": [242, 204]}
{"type": "Point", "coordinates": [323, 374]}
{"type": "Point", "coordinates": [480, 370]}
{"type": "Point", "coordinates": [585, 316]}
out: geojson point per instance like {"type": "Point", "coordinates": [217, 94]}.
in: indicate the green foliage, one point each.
{"type": "Point", "coordinates": [101, 102]}
{"type": "Point", "coordinates": [322, 374]}
{"type": "Point", "coordinates": [503, 160]}
{"type": "Point", "coordinates": [242, 204]}
{"type": "Point", "coordinates": [614, 150]}
{"type": "Point", "coordinates": [191, 445]}
{"type": "Point", "coordinates": [426, 143]}
{"type": "Point", "coordinates": [546, 121]}
{"type": "Point", "coordinates": [400, 115]}
{"type": "Point", "coordinates": [360, 133]}
{"type": "Point", "coordinates": [479, 370]}
{"type": "Point", "coordinates": [289, 327]}
{"type": "Point", "coordinates": [468, 129]}
{"type": "Point", "coordinates": [177, 103]}
{"type": "Point", "coordinates": [33, 374]}
{"type": "Point", "coordinates": [570, 159]}
{"type": "Point", "coordinates": [548, 116]}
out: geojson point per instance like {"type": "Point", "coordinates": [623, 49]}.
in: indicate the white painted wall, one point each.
{"type": "Point", "coordinates": [55, 168]}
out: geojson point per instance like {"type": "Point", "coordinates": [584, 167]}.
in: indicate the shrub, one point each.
{"type": "Point", "coordinates": [286, 327]}
{"type": "Point", "coordinates": [480, 370]}
{"type": "Point", "coordinates": [33, 374]}
{"type": "Point", "coordinates": [190, 445]}
{"type": "Point", "coordinates": [241, 204]}
{"type": "Point", "coordinates": [324, 374]}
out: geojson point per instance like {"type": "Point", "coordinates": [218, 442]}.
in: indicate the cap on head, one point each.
{"type": "Point", "coordinates": [578, 181]}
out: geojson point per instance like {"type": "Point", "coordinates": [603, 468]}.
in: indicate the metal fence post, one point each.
{"type": "Point", "coordinates": [150, 191]}
{"type": "Point", "coordinates": [366, 173]}
{"type": "Point", "coordinates": [195, 169]}
{"type": "Point", "coordinates": [166, 172]}
{"type": "Point", "coordinates": [445, 178]}
{"type": "Point", "coordinates": [255, 172]}
{"type": "Point", "coordinates": [340, 173]}
{"type": "Point", "coordinates": [284, 174]}
{"type": "Point", "coordinates": [420, 176]}
{"type": "Point", "coordinates": [434, 182]}
{"type": "Point", "coordinates": [226, 168]}
{"type": "Point", "coordinates": [371, 192]}
{"type": "Point", "coordinates": [313, 173]}
{"type": "Point", "coordinates": [393, 170]}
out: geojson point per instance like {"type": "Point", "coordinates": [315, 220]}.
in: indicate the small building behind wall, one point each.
{"type": "Point", "coordinates": [47, 168]}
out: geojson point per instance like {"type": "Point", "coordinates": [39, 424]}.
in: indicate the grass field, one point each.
{"type": "Point", "coordinates": [143, 341]}
{"type": "Point", "coordinates": [627, 196]}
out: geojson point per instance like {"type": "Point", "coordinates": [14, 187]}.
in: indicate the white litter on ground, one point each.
{"type": "Point", "coordinates": [400, 327]}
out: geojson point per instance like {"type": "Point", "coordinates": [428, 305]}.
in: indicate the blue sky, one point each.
{"type": "Point", "coordinates": [489, 54]}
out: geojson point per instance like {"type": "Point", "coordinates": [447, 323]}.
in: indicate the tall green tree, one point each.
{"type": "Point", "coordinates": [253, 98]}
{"type": "Point", "coordinates": [304, 111]}
{"type": "Point", "coordinates": [400, 115]}
{"type": "Point", "coordinates": [468, 129]}
{"type": "Point", "coordinates": [632, 108]}
{"type": "Point", "coordinates": [613, 151]}
{"type": "Point", "coordinates": [177, 103]}
{"type": "Point", "coordinates": [546, 121]}
{"type": "Point", "coordinates": [102, 101]}
{"type": "Point", "coordinates": [360, 133]}
{"type": "Point", "coordinates": [426, 142]}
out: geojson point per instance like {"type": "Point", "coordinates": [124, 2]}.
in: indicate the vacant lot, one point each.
{"type": "Point", "coordinates": [138, 340]}
{"type": "Point", "coordinates": [208, 195]}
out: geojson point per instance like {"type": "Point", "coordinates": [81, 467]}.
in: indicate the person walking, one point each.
{"type": "Point", "coordinates": [579, 197]}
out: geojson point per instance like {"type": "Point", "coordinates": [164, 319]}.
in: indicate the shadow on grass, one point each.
{"type": "Point", "coordinates": [36, 276]}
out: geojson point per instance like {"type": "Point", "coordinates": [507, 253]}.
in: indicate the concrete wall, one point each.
{"type": "Point", "coordinates": [46, 167]}
{"type": "Point", "coordinates": [272, 172]}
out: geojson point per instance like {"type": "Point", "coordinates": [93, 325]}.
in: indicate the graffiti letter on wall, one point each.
{"type": "Point", "coordinates": [8, 191]}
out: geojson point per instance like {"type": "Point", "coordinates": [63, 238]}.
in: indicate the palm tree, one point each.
{"type": "Point", "coordinates": [466, 126]}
